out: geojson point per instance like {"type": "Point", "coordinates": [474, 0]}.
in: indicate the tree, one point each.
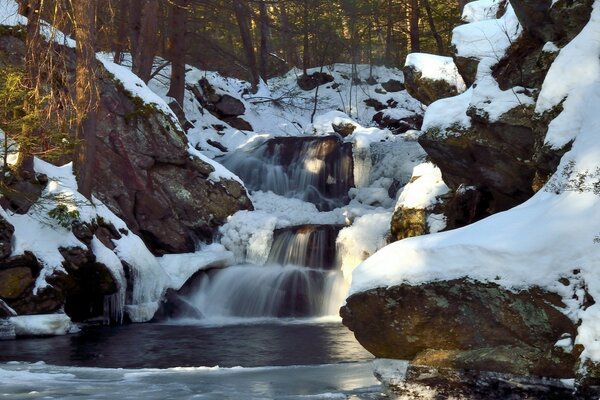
{"type": "Point", "coordinates": [85, 93]}
{"type": "Point", "coordinates": [176, 47]}
{"type": "Point", "coordinates": [242, 15]}
{"type": "Point", "coordinates": [144, 37]}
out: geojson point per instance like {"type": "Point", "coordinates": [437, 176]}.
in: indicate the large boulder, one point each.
{"type": "Point", "coordinates": [463, 324]}
{"type": "Point", "coordinates": [145, 174]}
{"type": "Point", "coordinates": [429, 77]}
{"type": "Point", "coordinates": [553, 21]}
{"type": "Point", "coordinates": [6, 233]}
{"type": "Point", "coordinates": [496, 157]}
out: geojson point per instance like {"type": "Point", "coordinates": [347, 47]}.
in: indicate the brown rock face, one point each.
{"type": "Point", "coordinates": [6, 233]}
{"type": "Point", "coordinates": [549, 22]}
{"type": "Point", "coordinates": [426, 90]}
{"type": "Point", "coordinates": [463, 325]}
{"type": "Point", "coordinates": [145, 174]}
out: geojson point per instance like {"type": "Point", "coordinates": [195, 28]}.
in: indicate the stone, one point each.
{"type": "Point", "coordinates": [228, 106]}
{"type": "Point", "coordinates": [551, 21]}
{"type": "Point", "coordinates": [6, 233]}
{"type": "Point", "coordinates": [310, 82]}
{"type": "Point", "coordinates": [238, 123]}
{"type": "Point", "coordinates": [376, 104]}
{"type": "Point", "coordinates": [343, 128]}
{"type": "Point", "coordinates": [393, 85]}
{"type": "Point", "coordinates": [424, 89]}
{"type": "Point", "coordinates": [174, 305]}
{"type": "Point", "coordinates": [423, 382]}
{"type": "Point", "coordinates": [14, 281]}
{"type": "Point", "coordinates": [146, 176]}
{"type": "Point", "coordinates": [408, 222]}
{"type": "Point", "coordinates": [397, 126]}
{"type": "Point", "coordinates": [180, 114]}
{"type": "Point", "coordinates": [467, 68]}
{"type": "Point", "coordinates": [496, 157]}
{"type": "Point", "coordinates": [463, 324]}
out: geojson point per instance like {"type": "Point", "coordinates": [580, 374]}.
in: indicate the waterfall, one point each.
{"type": "Point", "coordinates": [314, 169]}
{"type": "Point", "coordinates": [301, 275]}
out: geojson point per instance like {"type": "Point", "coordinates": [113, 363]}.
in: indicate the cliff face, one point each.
{"type": "Point", "coordinates": [453, 301]}
{"type": "Point", "coordinates": [157, 186]}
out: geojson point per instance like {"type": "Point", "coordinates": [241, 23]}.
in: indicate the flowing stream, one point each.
{"type": "Point", "coordinates": [268, 331]}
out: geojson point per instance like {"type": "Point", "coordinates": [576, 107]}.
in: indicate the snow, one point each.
{"type": "Point", "coordinates": [220, 172]}
{"type": "Point", "coordinates": [43, 325]}
{"type": "Point", "coordinates": [425, 188]}
{"type": "Point", "coordinates": [481, 10]}
{"type": "Point", "coordinates": [570, 79]}
{"type": "Point", "coordinates": [552, 235]}
{"type": "Point", "coordinates": [181, 267]}
{"type": "Point", "coordinates": [435, 67]}
{"type": "Point", "coordinates": [136, 87]}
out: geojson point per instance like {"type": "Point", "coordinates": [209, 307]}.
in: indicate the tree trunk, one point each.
{"type": "Point", "coordinates": [389, 33]}
{"type": "Point", "coordinates": [177, 49]}
{"type": "Point", "coordinates": [289, 45]}
{"type": "Point", "coordinates": [306, 42]}
{"type": "Point", "coordinates": [121, 40]}
{"type": "Point", "coordinates": [85, 93]}
{"type": "Point", "coordinates": [143, 54]}
{"type": "Point", "coordinates": [31, 9]}
{"type": "Point", "coordinates": [242, 16]}
{"type": "Point", "coordinates": [264, 41]}
{"type": "Point", "coordinates": [436, 35]}
{"type": "Point", "coordinates": [415, 35]}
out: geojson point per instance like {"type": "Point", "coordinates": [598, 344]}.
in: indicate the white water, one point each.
{"type": "Point", "coordinates": [313, 169]}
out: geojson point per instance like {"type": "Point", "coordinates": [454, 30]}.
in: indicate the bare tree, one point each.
{"type": "Point", "coordinates": [144, 50]}
{"type": "Point", "coordinates": [86, 96]}
{"type": "Point", "coordinates": [176, 48]}
{"type": "Point", "coordinates": [242, 15]}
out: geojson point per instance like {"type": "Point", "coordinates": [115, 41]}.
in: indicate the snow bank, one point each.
{"type": "Point", "coordinates": [553, 235]}
{"type": "Point", "coordinates": [425, 188]}
{"type": "Point", "coordinates": [436, 67]}
{"type": "Point", "coordinates": [43, 325]}
{"type": "Point", "coordinates": [481, 10]}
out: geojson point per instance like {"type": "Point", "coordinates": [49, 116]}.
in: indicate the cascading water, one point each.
{"type": "Point", "coordinates": [318, 170]}
{"type": "Point", "coordinates": [301, 277]}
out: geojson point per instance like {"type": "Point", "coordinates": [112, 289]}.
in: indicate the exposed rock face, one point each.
{"type": "Point", "coordinates": [408, 222]}
{"type": "Point", "coordinates": [146, 175]}
{"type": "Point", "coordinates": [6, 233]}
{"type": "Point", "coordinates": [398, 125]}
{"type": "Point", "coordinates": [226, 108]}
{"type": "Point", "coordinates": [497, 157]}
{"type": "Point", "coordinates": [393, 86]}
{"type": "Point", "coordinates": [424, 89]}
{"type": "Point", "coordinates": [310, 82]}
{"type": "Point", "coordinates": [485, 327]}
{"type": "Point", "coordinates": [553, 21]}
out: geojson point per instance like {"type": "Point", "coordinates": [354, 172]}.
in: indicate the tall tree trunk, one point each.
{"type": "Point", "coordinates": [289, 45]}
{"type": "Point", "coordinates": [414, 33]}
{"type": "Point", "coordinates": [86, 96]}
{"type": "Point", "coordinates": [121, 40]}
{"type": "Point", "coordinates": [135, 25]}
{"type": "Point", "coordinates": [31, 9]}
{"type": "Point", "coordinates": [176, 46]}
{"type": "Point", "coordinates": [242, 16]}
{"type": "Point", "coordinates": [143, 54]}
{"type": "Point", "coordinates": [389, 33]}
{"type": "Point", "coordinates": [306, 41]}
{"type": "Point", "coordinates": [264, 41]}
{"type": "Point", "coordinates": [436, 35]}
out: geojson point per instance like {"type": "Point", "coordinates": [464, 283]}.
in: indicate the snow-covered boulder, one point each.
{"type": "Point", "coordinates": [429, 77]}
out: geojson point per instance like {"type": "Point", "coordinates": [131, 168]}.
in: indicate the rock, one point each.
{"type": "Point", "coordinates": [551, 21]}
{"type": "Point", "coordinates": [496, 157]}
{"type": "Point", "coordinates": [393, 86]}
{"type": "Point", "coordinates": [400, 125]}
{"type": "Point", "coordinates": [175, 306]}
{"type": "Point", "coordinates": [12, 48]}
{"type": "Point", "coordinates": [6, 233]}
{"type": "Point", "coordinates": [238, 123]}
{"type": "Point", "coordinates": [465, 325]}
{"type": "Point", "coordinates": [376, 104]}
{"type": "Point", "coordinates": [147, 177]}
{"type": "Point", "coordinates": [82, 231]}
{"type": "Point", "coordinates": [217, 145]}
{"type": "Point", "coordinates": [408, 222]}
{"type": "Point", "coordinates": [424, 89]}
{"type": "Point", "coordinates": [180, 114]}
{"type": "Point", "coordinates": [14, 281]}
{"type": "Point", "coordinates": [525, 64]}
{"type": "Point", "coordinates": [343, 128]}
{"type": "Point", "coordinates": [467, 68]}
{"type": "Point", "coordinates": [310, 82]}
{"type": "Point", "coordinates": [228, 106]}
{"type": "Point", "coordinates": [422, 382]}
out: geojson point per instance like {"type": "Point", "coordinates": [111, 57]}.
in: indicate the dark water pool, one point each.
{"type": "Point", "coordinates": [164, 346]}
